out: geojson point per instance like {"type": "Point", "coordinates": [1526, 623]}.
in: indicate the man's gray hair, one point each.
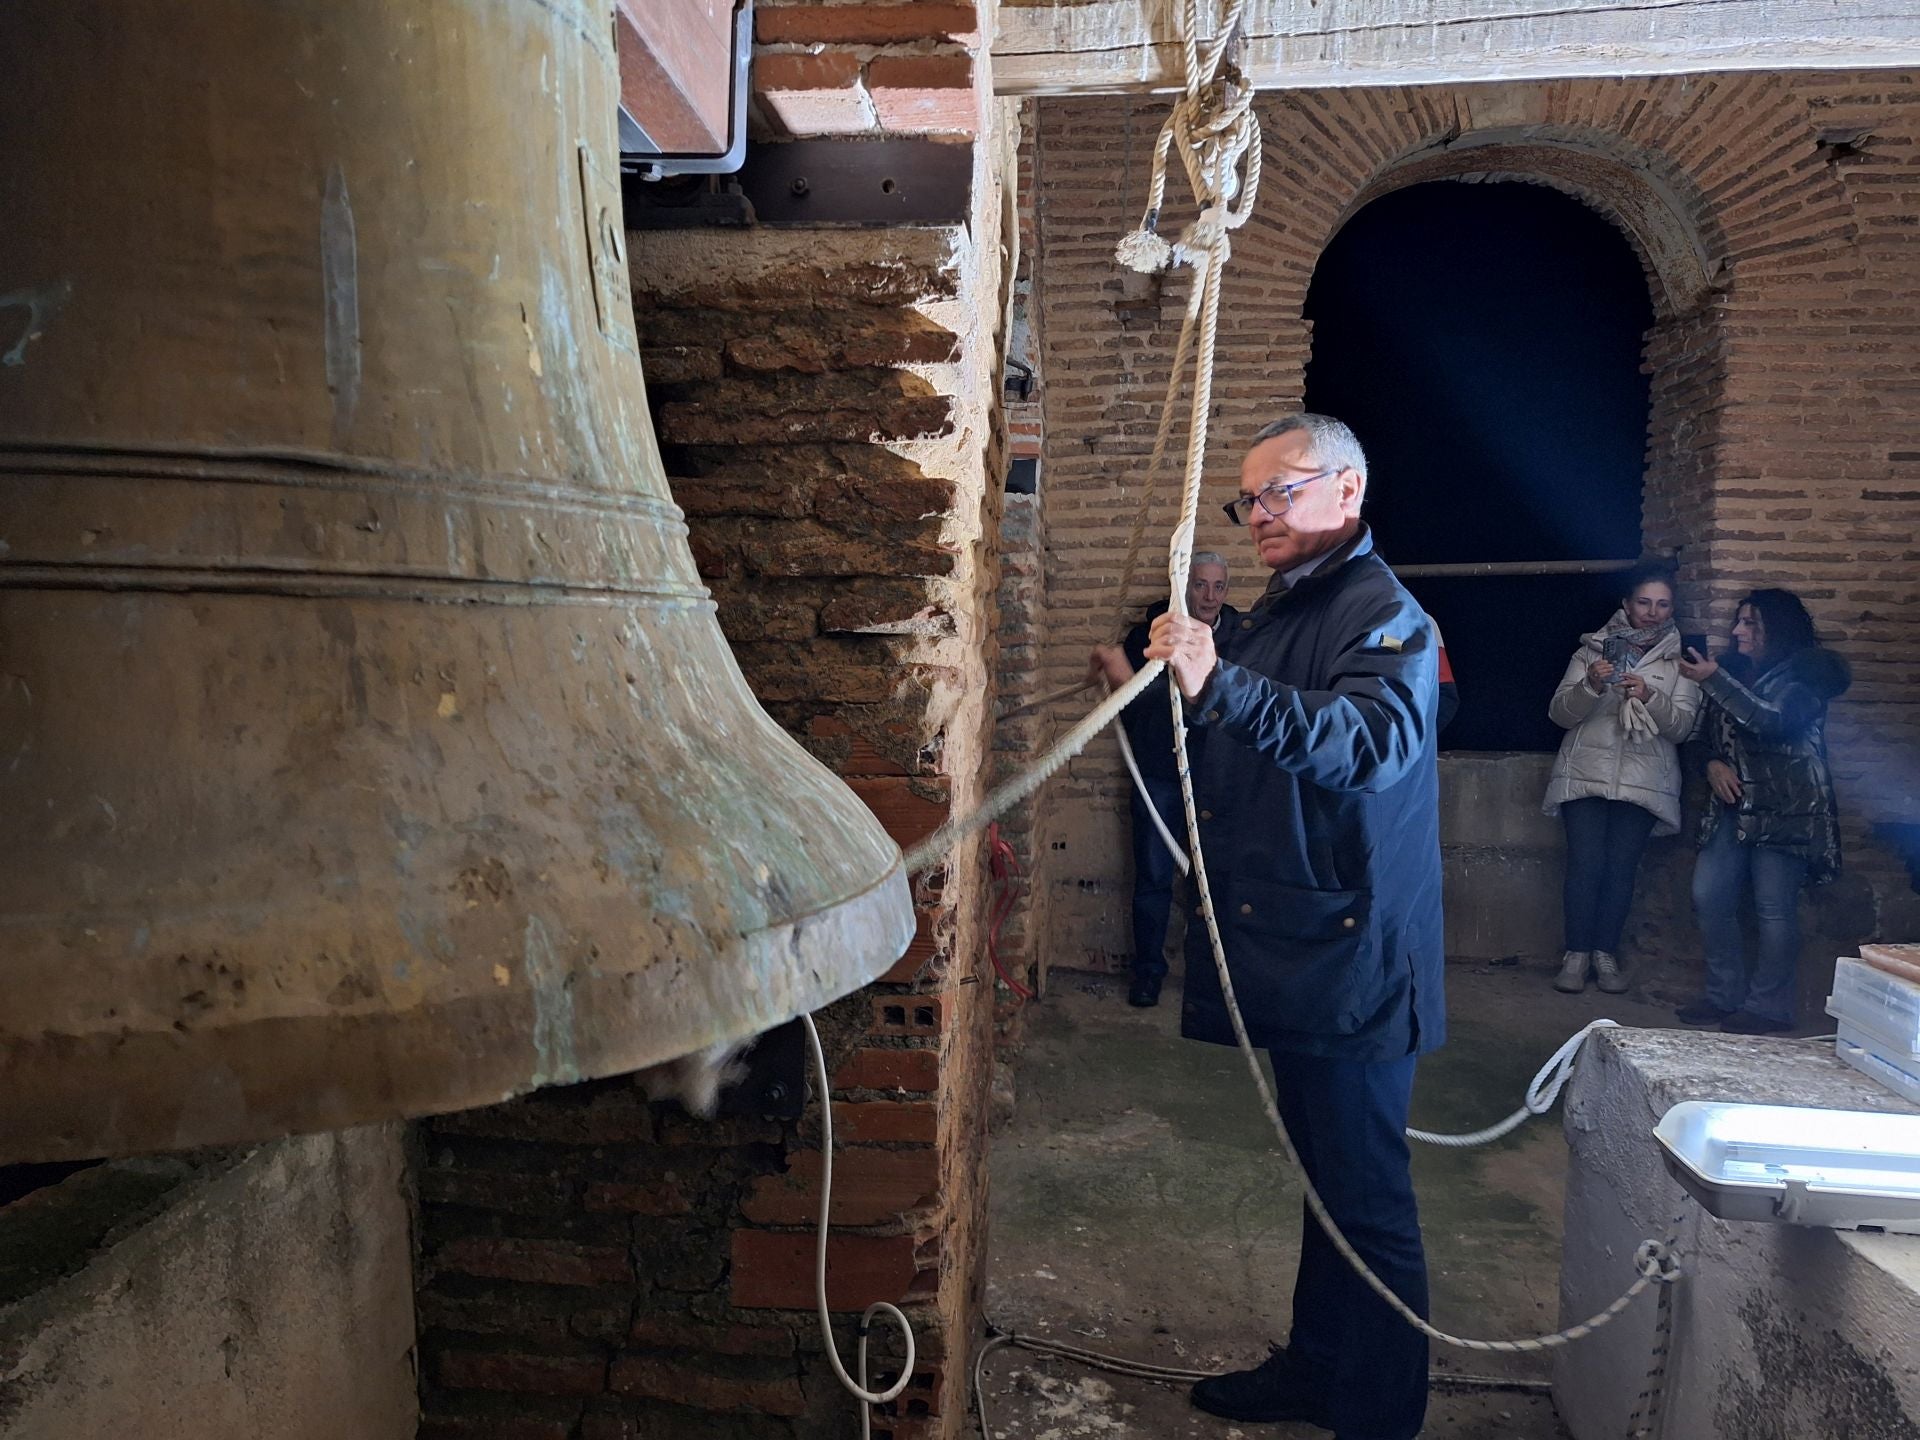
{"type": "Point", "coordinates": [1334, 446]}
{"type": "Point", "coordinates": [1207, 557]}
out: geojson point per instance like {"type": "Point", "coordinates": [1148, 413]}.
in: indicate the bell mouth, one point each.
{"type": "Point", "coordinates": [87, 1097]}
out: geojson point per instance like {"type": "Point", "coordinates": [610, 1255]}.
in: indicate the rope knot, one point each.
{"type": "Point", "coordinates": [1655, 1260]}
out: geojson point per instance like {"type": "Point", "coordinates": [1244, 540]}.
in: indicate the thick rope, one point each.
{"type": "Point", "coordinates": [1009, 794]}
{"type": "Point", "coordinates": [1548, 1081]}
{"type": "Point", "coordinates": [1220, 151]}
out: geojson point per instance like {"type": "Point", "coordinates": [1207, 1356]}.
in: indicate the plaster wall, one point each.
{"type": "Point", "coordinates": [1779, 1332]}
{"type": "Point", "coordinates": [266, 1296]}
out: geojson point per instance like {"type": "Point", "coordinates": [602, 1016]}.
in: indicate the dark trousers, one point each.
{"type": "Point", "coordinates": [1153, 872]}
{"type": "Point", "coordinates": [1605, 839]}
{"type": "Point", "coordinates": [1348, 1120]}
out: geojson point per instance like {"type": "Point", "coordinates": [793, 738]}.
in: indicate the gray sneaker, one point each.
{"type": "Point", "coordinates": [1573, 971]}
{"type": "Point", "coordinates": [1606, 969]}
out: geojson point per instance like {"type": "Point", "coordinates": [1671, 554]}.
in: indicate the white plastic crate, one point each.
{"type": "Point", "coordinates": [1884, 1005]}
{"type": "Point", "coordinates": [1865, 1053]}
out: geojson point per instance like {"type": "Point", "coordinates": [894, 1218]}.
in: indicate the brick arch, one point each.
{"type": "Point", "coordinates": [1708, 178]}
{"type": "Point", "coordinates": [1778, 383]}
{"type": "Point", "coordinates": [1679, 247]}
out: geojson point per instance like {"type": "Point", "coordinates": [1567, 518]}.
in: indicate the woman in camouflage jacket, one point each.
{"type": "Point", "coordinates": [1771, 820]}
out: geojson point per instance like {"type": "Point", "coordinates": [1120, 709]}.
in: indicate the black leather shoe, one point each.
{"type": "Point", "coordinates": [1700, 1012]}
{"type": "Point", "coordinates": [1269, 1393]}
{"type": "Point", "coordinates": [1745, 1022]}
{"type": "Point", "coordinates": [1145, 992]}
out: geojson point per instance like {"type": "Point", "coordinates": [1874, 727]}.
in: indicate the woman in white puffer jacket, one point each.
{"type": "Point", "coordinates": [1616, 782]}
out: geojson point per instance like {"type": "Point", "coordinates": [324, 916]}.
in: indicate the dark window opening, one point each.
{"type": "Point", "coordinates": [1485, 343]}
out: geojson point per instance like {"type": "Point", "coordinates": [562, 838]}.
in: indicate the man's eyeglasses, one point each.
{"type": "Point", "coordinates": [1241, 510]}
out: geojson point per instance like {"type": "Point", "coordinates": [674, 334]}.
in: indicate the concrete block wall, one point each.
{"type": "Point", "coordinates": [1772, 213]}
{"type": "Point", "coordinates": [597, 1268]}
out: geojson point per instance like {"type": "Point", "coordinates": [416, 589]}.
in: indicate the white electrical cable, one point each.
{"type": "Point", "coordinates": [857, 1389]}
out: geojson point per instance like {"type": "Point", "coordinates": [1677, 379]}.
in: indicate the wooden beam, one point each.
{"type": "Point", "coordinates": [1063, 47]}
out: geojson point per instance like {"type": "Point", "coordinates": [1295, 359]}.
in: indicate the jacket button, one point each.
{"type": "Point", "coordinates": [1213, 714]}
{"type": "Point", "coordinates": [1347, 924]}
{"type": "Point", "coordinates": [1246, 909]}
{"type": "Point", "coordinates": [1206, 814]}
{"type": "Point", "coordinates": [1247, 624]}
{"type": "Point", "coordinates": [1201, 911]}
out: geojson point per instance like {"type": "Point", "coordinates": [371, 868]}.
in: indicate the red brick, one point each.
{"type": "Point", "coordinates": [901, 806]}
{"type": "Point", "coordinates": [653, 1197]}
{"type": "Point", "coordinates": [524, 1374]}
{"type": "Point", "coordinates": [909, 1014]}
{"type": "Point", "coordinates": [495, 1190]}
{"type": "Point", "coordinates": [878, 1121]}
{"type": "Point", "coordinates": [539, 1262]}
{"type": "Point", "coordinates": [812, 24]}
{"type": "Point", "coordinates": [921, 949]}
{"type": "Point", "coordinates": [678, 1332]}
{"type": "Point", "coordinates": [924, 92]}
{"type": "Point", "coordinates": [870, 1187]}
{"type": "Point", "coordinates": [814, 94]}
{"type": "Point", "coordinates": [774, 1269]}
{"type": "Point", "coordinates": [890, 1070]}
{"type": "Point", "coordinates": [700, 1388]}
{"type": "Point", "coordinates": [829, 70]}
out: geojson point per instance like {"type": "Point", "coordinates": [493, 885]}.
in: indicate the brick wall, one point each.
{"type": "Point", "coordinates": [597, 1268]}
{"type": "Point", "coordinates": [1775, 216]}
{"type": "Point", "coordinates": [1021, 603]}
{"type": "Point", "coordinates": [869, 66]}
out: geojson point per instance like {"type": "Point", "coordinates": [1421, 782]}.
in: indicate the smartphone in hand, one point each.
{"type": "Point", "coordinates": [1619, 653]}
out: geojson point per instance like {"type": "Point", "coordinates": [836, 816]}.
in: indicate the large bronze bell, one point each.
{"type": "Point", "coordinates": [368, 746]}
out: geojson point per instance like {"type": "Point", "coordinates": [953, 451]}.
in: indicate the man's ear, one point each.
{"type": "Point", "coordinates": [1353, 492]}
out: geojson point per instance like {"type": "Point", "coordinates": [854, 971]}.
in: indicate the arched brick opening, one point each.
{"type": "Point", "coordinates": [1674, 232]}
{"type": "Point", "coordinates": [1773, 446]}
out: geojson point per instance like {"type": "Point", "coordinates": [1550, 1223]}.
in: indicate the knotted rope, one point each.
{"type": "Point", "coordinates": [1218, 139]}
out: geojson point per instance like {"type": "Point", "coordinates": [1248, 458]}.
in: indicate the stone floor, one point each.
{"type": "Point", "coordinates": [1141, 1206]}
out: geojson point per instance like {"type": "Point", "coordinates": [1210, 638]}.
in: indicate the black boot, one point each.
{"type": "Point", "coordinates": [1272, 1391]}
{"type": "Point", "coordinates": [1144, 992]}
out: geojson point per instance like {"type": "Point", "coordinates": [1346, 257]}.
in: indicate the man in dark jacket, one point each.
{"type": "Point", "coordinates": [1319, 826]}
{"type": "Point", "coordinates": [1149, 726]}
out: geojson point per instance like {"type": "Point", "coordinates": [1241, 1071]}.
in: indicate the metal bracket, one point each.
{"type": "Point", "coordinates": [817, 182]}
{"type": "Point", "coordinates": [859, 182]}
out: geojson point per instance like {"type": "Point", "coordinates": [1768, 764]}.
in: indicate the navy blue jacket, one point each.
{"type": "Point", "coordinates": [1320, 824]}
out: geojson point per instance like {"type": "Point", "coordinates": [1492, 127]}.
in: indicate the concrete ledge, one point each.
{"type": "Point", "coordinates": [252, 1295]}
{"type": "Point", "coordinates": [1780, 1333]}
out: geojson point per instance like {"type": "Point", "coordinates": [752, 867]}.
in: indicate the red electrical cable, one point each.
{"type": "Point", "coordinates": [1004, 866]}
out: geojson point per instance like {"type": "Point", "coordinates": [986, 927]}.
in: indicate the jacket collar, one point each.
{"type": "Point", "coordinates": [1359, 545]}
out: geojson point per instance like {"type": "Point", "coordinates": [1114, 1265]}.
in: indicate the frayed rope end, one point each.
{"type": "Point", "coordinates": [1144, 251]}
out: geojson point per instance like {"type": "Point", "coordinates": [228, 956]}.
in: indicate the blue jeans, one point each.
{"type": "Point", "coordinates": [1605, 839]}
{"type": "Point", "coordinates": [1348, 1120]}
{"type": "Point", "coordinates": [1153, 875]}
{"type": "Point", "coordinates": [1720, 876]}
